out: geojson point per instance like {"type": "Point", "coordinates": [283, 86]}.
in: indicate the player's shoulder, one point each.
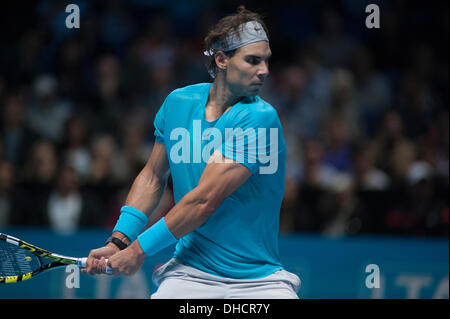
{"type": "Point", "coordinates": [260, 110]}
{"type": "Point", "coordinates": [190, 92]}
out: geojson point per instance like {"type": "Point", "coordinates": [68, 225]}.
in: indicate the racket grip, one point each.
{"type": "Point", "coordinates": [82, 264]}
{"type": "Point", "coordinates": [108, 270]}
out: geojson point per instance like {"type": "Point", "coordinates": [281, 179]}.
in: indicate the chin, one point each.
{"type": "Point", "coordinates": [254, 91]}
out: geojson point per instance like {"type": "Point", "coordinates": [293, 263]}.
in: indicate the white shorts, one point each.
{"type": "Point", "coordinates": [177, 281]}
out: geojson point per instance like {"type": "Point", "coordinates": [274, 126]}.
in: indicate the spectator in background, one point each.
{"type": "Point", "coordinates": [105, 178]}
{"type": "Point", "coordinates": [316, 171]}
{"type": "Point", "coordinates": [372, 90]}
{"type": "Point", "coordinates": [291, 92]}
{"type": "Point", "coordinates": [32, 54]}
{"type": "Point", "coordinates": [188, 63]}
{"type": "Point", "coordinates": [157, 42]}
{"type": "Point", "coordinates": [423, 65]}
{"type": "Point", "coordinates": [436, 148]}
{"type": "Point", "coordinates": [305, 201]}
{"type": "Point", "coordinates": [160, 83]}
{"type": "Point", "coordinates": [287, 98]}
{"type": "Point", "coordinates": [419, 212]}
{"type": "Point", "coordinates": [289, 205]}
{"type": "Point", "coordinates": [343, 212]}
{"type": "Point", "coordinates": [134, 151]}
{"type": "Point", "coordinates": [104, 167]}
{"type": "Point", "coordinates": [343, 103]}
{"type": "Point", "coordinates": [47, 113]}
{"type": "Point", "coordinates": [396, 153]}
{"type": "Point", "coordinates": [17, 137]}
{"type": "Point", "coordinates": [317, 93]}
{"type": "Point", "coordinates": [157, 52]}
{"type": "Point", "coordinates": [74, 149]}
{"type": "Point", "coordinates": [35, 183]}
{"type": "Point", "coordinates": [415, 105]}
{"type": "Point", "coordinates": [372, 185]}
{"type": "Point", "coordinates": [42, 163]}
{"type": "Point", "coordinates": [108, 95]}
{"type": "Point", "coordinates": [135, 76]}
{"type": "Point", "coordinates": [69, 207]}
{"type": "Point", "coordinates": [70, 67]}
{"type": "Point", "coordinates": [337, 144]}
{"type": "Point", "coordinates": [333, 43]}
{"type": "Point", "coordinates": [367, 177]}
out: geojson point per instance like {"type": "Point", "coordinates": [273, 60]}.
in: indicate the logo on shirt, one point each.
{"type": "Point", "coordinates": [255, 148]}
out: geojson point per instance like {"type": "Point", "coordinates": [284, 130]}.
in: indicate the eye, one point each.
{"type": "Point", "coordinates": [253, 60]}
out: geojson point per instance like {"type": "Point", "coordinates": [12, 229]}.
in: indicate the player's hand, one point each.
{"type": "Point", "coordinates": [127, 261]}
{"type": "Point", "coordinates": [96, 262]}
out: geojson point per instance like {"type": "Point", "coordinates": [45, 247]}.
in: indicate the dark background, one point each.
{"type": "Point", "coordinates": [364, 111]}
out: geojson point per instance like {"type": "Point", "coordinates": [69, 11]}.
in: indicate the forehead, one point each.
{"type": "Point", "coordinates": [260, 48]}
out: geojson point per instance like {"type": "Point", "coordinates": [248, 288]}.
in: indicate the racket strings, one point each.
{"type": "Point", "coordinates": [16, 261]}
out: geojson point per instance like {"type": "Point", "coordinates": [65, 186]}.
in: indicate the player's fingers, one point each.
{"type": "Point", "coordinates": [96, 262]}
{"type": "Point", "coordinates": [92, 257]}
{"type": "Point", "coordinates": [90, 263]}
{"type": "Point", "coordinates": [94, 266]}
{"type": "Point", "coordinates": [114, 271]}
{"type": "Point", "coordinates": [101, 268]}
{"type": "Point", "coordinates": [88, 267]}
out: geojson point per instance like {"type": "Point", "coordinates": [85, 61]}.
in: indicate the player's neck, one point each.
{"type": "Point", "coordinates": [220, 97]}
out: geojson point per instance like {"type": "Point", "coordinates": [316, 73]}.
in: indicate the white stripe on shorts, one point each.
{"type": "Point", "coordinates": [178, 281]}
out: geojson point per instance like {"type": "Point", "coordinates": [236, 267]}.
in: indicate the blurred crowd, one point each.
{"type": "Point", "coordinates": [364, 111]}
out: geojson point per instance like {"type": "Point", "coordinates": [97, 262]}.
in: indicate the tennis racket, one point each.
{"type": "Point", "coordinates": [21, 261]}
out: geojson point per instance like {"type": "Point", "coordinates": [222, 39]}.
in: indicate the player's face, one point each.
{"type": "Point", "coordinates": [248, 68]}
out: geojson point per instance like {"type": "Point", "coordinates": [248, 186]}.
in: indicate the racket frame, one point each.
{"type": "Point", "coordinates": [57, 260]}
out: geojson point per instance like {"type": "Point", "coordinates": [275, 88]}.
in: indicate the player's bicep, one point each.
{"type": "Point", "coordinates": [221, 177]}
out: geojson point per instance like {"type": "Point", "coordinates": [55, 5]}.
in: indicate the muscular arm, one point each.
{"type": "Point", "coordinates": [145, 195]}
{"type": "Point", "coordinates": [220, 179]}
{"type": "Point", "coordinates": [148, 187]}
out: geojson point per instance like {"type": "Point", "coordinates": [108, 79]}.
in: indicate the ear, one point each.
{"type": "Point", "coordinates": [221, 60]}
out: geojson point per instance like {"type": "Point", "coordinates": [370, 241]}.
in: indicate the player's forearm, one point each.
{"type": "Point", "coordinates": [189, 213]}
{"type": "Point", "coordinates": [146, 192]}
{"type": "Point", "coordinates": [144, 195]}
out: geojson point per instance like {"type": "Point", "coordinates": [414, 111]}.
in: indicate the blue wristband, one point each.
{"type": "Point", "coordinates": [156, 238]}
{"type": "Point", "coordinates": [131, 222]}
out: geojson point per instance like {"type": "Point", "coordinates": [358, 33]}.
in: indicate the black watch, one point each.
{"type": "Point", "coordinates": [116, 241]}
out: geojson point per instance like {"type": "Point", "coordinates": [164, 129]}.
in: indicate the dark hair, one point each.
{"type": "Point", "coordinates": [221, 29]}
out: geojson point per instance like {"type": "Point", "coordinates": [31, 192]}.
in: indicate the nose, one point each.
{"type": "Point", "coordinates": [264, 70]}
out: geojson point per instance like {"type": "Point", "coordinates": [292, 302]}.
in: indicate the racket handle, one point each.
{"type": "Point", "coordinates": [82, 264]}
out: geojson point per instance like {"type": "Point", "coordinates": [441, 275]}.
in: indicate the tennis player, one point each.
{"type": "Point", "coordinates": [225, 150]}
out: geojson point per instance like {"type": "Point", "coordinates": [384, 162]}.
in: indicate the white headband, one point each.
{"type": "Point", "coordinates": [250, 32]}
